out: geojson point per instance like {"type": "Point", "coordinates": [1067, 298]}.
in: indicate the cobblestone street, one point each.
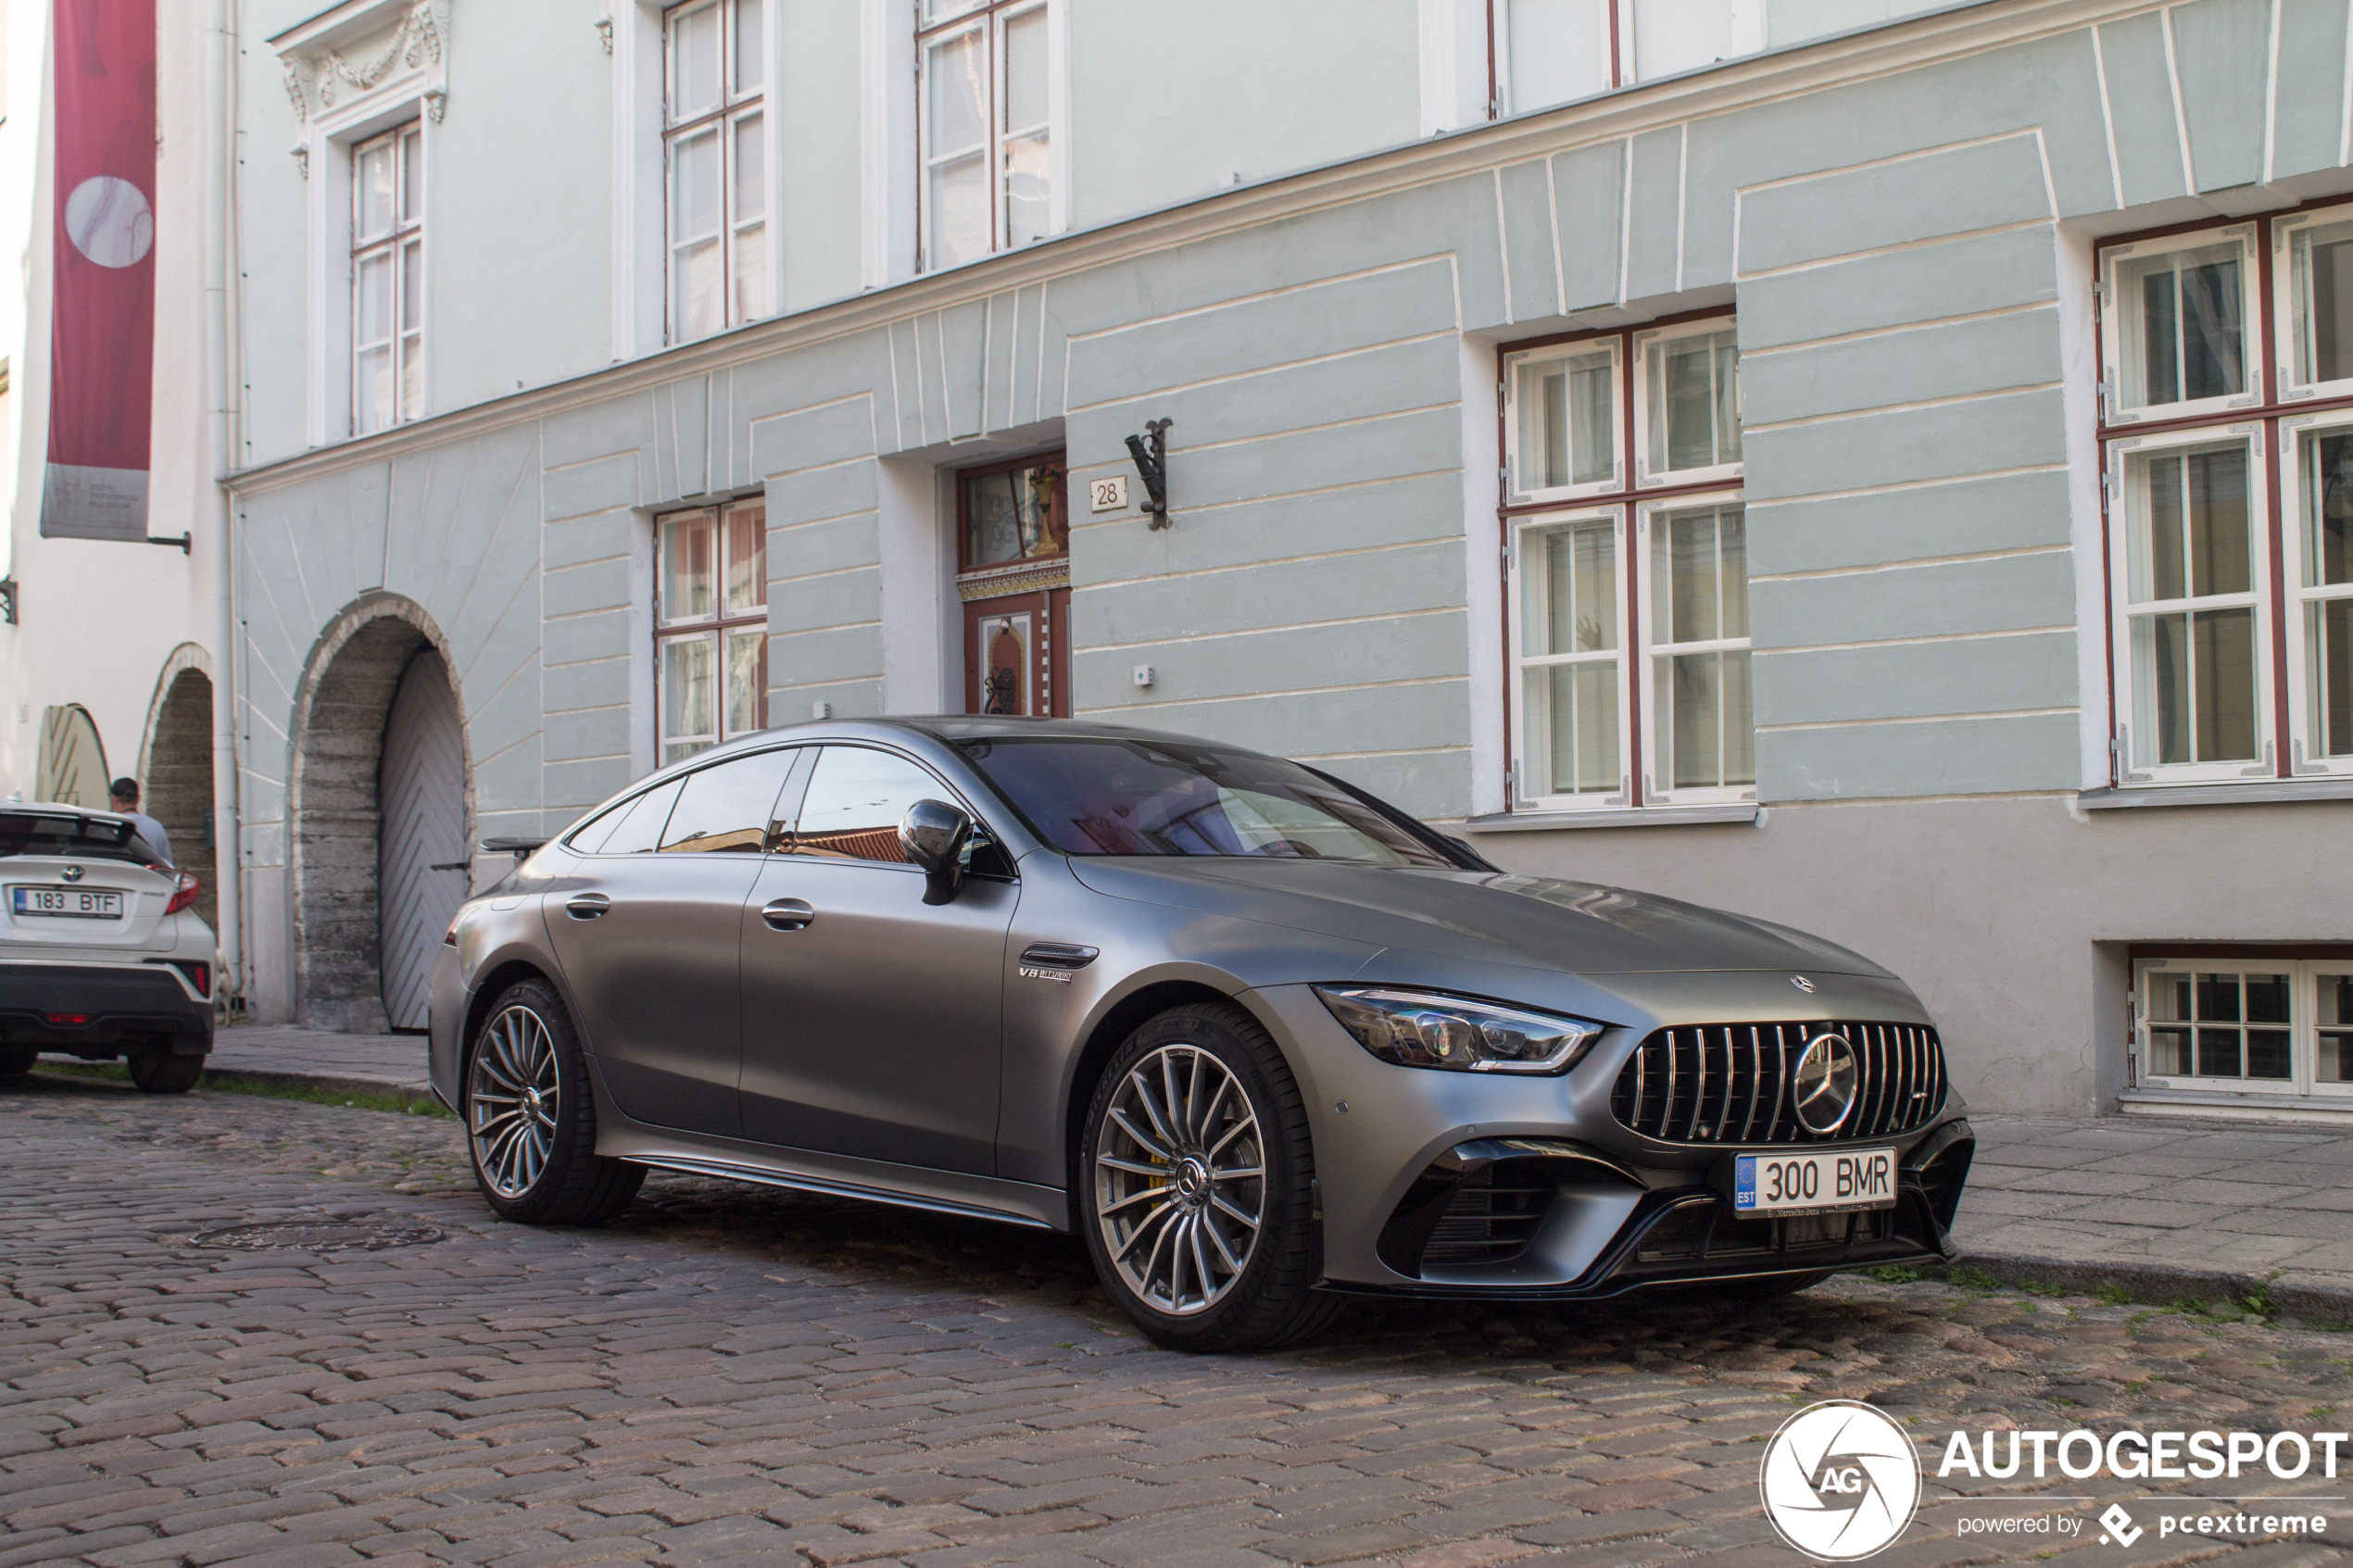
{"type": "Point", "coordinates": [733, 1375]}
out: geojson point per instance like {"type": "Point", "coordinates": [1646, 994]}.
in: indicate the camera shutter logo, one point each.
{"type": "Point", "coordinates": [1840, 1481]}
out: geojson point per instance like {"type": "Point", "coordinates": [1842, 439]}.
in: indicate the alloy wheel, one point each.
{"type": "Point", "coordinates": [510, 1101]}
{"type": "Point", "coordinates": [1180, 1180]}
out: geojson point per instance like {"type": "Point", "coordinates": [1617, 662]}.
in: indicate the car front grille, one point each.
{"type": "Point", "coordinates": [1491, 1216]}
{"type": "Point", "coordinates": [1731, 1083]}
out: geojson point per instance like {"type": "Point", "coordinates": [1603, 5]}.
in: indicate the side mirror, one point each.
{"type": "Point", "coordinates": [933, 835]}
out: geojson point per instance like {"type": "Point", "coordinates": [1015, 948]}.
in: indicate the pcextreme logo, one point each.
{"type": "Point", "coordinates": [1840, 1481]}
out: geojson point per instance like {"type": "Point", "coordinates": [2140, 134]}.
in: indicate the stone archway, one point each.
{"type": "Point", "coordinates": [175, 771]}
{"type": "Point", "coordinates": [335, 811]}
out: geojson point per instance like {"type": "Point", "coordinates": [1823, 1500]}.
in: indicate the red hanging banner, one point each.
{"type": "Point", "coordinates": [102, 337]}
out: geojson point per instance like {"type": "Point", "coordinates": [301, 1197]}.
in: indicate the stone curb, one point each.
{"type": "Point", "coordinates": [2313, 1299]}
{"type": "Point", "coordinates": [407, 1092]}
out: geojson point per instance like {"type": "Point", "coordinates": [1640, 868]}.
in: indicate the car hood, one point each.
{"type": "Point", "coordinates": [1483, 916]}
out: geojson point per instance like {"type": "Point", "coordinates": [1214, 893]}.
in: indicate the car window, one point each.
{"type": "Point", "coordinates": [1119, 796]}
{"type": "Point", "coordinates": [31, 833]}
{"type": "Point", "coordinates": [855, 800]}
{"type": "Point", "coordinates": [637, 824]}
{"type": "Point", "coordinates": [730, 807]}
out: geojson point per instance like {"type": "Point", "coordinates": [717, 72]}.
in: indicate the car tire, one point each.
{"type": "Point", "coordinates": [1231, 1258]}
{"type": "Point", "coordinates": [160, 1072]}
{"type": "Point", "coordinates": [531, 1119]}
{"type": "Point", "coordinates": [17, 1060]}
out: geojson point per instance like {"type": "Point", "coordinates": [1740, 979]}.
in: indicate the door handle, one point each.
{"type": "Point", "coordinates": [787, 914]}
{"type": "Point", "coordinates": [588, 906]}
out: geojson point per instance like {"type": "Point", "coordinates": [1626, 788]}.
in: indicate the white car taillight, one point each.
{"type": "Point", "coordinates": [184, 893]}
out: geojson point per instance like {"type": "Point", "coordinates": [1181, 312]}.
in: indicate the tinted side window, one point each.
{"type": "Point", "coordinates": [855, 801]}
{"type": "Point", "coordinates": [730, 807]}
{"type": "Point", "coordinates": [638, 828]}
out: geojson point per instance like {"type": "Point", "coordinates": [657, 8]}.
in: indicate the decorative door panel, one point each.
{"type": "Point", "coordinates": [1013, 575]}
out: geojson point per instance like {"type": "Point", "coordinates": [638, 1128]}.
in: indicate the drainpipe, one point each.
{"type": "Point", "coordinates": [219, 391]}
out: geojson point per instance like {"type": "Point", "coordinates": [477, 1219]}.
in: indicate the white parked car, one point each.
{"type": "Point", "coordinates": [101, 954]}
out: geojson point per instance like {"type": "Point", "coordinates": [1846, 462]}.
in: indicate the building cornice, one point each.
{"type": "Point", "coordinates": [1974, 27]}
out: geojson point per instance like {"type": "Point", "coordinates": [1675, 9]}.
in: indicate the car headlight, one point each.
{"type": "Point", "coordinates": [1421, 1029]}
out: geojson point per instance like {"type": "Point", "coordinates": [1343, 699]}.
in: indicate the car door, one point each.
{"type": "Point", "coordinates": [648, 930]}
{"type": "Point", "coordinates": [872, 1020]}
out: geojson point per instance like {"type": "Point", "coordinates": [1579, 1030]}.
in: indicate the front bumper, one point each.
{"type": "Point", "coordinates": [103, 1010]}
{"type": "Point", "coordinates": [1454, 1185]}
{"type": "Point", "coordinates": [1544, 1219]}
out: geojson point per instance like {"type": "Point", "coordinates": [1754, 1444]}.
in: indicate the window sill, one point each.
{"type": "Point", "coordinates": [1623, 817]}
{"type": "Point", "coordinates": [2228, 1105]}
{"type": "Point", "coordinates": [2266, 792]}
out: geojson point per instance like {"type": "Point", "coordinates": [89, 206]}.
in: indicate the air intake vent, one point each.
{"type": "Point", "coordinates": [1731, 1083]}
{"type": "Point", "coordinates": [1491, 1217]}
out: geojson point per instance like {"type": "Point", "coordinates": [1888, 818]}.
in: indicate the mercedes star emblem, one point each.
{"type": "Point", "coordinates": [1823, 1090]}
{"type": "Point", "coordinates": [1802, 984]}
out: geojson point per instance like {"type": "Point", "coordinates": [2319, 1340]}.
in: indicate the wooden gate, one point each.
{"type": "Point", "coordinates": [423, 864]}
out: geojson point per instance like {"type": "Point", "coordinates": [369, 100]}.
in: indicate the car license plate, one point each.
{"type": "Point", "coordinates": [68, 903]}
{"type": "Point", "coordinates": [1814, 1183]}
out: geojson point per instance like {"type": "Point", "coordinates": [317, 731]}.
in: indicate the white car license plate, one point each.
{"type": "Point", "coordinates": [68, 903]}
{"type": "Point", "coordinates": [1814, 1183]}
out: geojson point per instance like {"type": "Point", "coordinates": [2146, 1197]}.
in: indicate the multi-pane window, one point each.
{"type": "Point", "coordinates": [1553, 51]}
{"type": "Point", "coordinates": [387, 280]}
{"type": "Point", "coordinates": [2182, 320]}
{"type": "Point", "coordinates": [1704, 738]}
{"type": "Point", "coordinates": [2192, 616]}
{"type": "Point", "coordinates": [2227, 363]}
{"type": "Point", "coordinates": [1692, 417]}
{"type": "Point", "coordinates": [987, 113]}
{"type": "Point", "coordinates": [714, 150]}
{"type": "Point", "coordinates": [711, 617]}
{"type": "Point", "coordinates": [1627, 573]}
{"type": "Point", "coordinates": [2252, 1024]}
{"type": "Point", "coordinates": [2323, 612]}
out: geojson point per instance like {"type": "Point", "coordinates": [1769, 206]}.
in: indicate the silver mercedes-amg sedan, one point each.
{"type": "Point", "coordinates": [1261, 1039]}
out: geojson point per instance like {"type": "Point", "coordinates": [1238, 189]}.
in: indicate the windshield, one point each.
{"type": "Point", "coordinates": [1115, 796]}
{"type": "Point", "coordinates": [32, 833]}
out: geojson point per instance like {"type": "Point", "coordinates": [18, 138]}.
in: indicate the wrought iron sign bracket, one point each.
{"type": "Point", "coordinates": [1151, 452]}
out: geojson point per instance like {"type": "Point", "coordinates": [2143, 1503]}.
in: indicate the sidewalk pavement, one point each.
{"type": "Point", "coordinates": [2166, 1210]}
{"type": "Point", "coordinates": [2169, 1211]}
{"type": "Point", "coordinates": [384, 1064]}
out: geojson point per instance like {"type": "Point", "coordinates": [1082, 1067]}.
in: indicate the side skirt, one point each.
{"type": "Point", "coordinates": [906, 1186]}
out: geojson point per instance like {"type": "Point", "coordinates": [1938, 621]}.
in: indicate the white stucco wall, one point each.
{"type": "Point", "coordinates": [99, 622]}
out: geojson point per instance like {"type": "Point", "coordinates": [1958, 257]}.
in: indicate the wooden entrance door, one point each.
{"type": "Point", "coordinates": [1013, 575]}
{"type": "Point", "coordinates": [1017, 655]}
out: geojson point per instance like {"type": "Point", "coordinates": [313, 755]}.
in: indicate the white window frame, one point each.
{"type": "Point", "coordinates": [2303, 1080]}
{"type": "Point", "coordinates": [2286, 302]}
{"type": "Point", "coordinates": [334, 114]}
{"type": "Point", "coordinates": [2112, 314]}
{"type": "Point", "coordinates": [1714, 474]}
{"type": "Point", "coordinates": [1621, 20]}
{"type": "Point", "coordinates": [732, 109]}
{"type": "Point", "coordinates": [2305, 736]}
{"type": "Point", "coordinates": [992, 17]}
{"type": "Point", "coordinates": [717, 625]}
{"type": "Point", "coordinates": [391, 243]}
{"type": "Point", "coordinates": [2307, 994]}
{"type": "Point", "coordinates": [1522, 531]}
{"type": "Point", "coordinates": [1656, 791]}
{"type": "Point", "coordinates": [1519, 495]}
{"type": "Point", "coordinates": [2257, 595]}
